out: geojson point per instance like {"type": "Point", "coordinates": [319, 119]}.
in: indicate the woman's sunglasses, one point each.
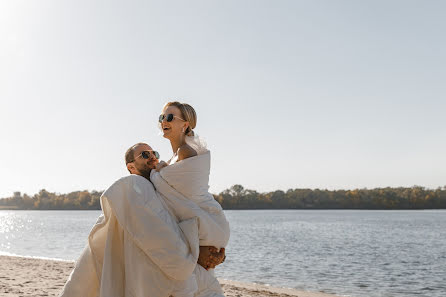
{"type": "Point", "coordinates": [169, 117]}
{"type": "Point", "coordinates": [146, 155]}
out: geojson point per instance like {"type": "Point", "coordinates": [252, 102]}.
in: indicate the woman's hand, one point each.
{"type": "Point", "coordinates": [160, 165]}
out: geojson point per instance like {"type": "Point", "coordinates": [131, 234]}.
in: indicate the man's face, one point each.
{"type": "Point", "coordinates": [140, 165]}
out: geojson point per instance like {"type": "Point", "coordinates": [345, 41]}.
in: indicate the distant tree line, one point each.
{"type": "Point", "coordinates": [237, 197]}
{"type": "Point", "coordinates": [44, 200]}
{"type": "Point", "coordinates": [415, 197]}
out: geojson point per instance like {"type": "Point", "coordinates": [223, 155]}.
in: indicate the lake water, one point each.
{"type": "Point", "coordinates": [348, 252]}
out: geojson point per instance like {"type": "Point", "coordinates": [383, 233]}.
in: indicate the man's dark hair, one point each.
{"type": "Point", "coordinates": [130, 153]}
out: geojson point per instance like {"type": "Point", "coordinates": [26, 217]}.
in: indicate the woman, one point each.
{"type": "Point", "coordinates": [183, 182]}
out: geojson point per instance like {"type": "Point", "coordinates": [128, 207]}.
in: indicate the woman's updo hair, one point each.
{"type": "Point", "coordinates": [188, 114]}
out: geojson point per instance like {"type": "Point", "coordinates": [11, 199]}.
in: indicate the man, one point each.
{"type": "Point", "coordinates": [138, 248]}
{"type": "Point", "coordinates": [140, 159]}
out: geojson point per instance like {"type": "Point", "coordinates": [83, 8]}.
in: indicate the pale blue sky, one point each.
{"type": "Point", "coordinates": [289, 94]}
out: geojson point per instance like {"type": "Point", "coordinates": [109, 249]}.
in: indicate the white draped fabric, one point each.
{"type": "Point", "coordinates": [146, 243]}
{"type": "Point", "coordinates": [136, 248]}
{"type": "Point", "coordinates": [184, 187]}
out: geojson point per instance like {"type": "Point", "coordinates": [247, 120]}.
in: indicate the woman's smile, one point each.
{"type": "Point", "coordinates": [166, 130]}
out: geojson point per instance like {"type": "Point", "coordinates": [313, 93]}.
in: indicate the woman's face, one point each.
{"type": "Point", "coordinates": [174, 128]}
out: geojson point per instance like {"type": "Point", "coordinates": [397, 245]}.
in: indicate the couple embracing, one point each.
{"type": "Point", "coordinates": [161, 232]}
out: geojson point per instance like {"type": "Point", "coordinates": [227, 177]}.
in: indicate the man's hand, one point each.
{"type": "Point", "coordinates": [210, 256]}
{"type": "Point", "coordinates": [160, 165]}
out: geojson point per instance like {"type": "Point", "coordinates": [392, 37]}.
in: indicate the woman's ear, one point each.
{"type": "Point", "coordinates": [185, 126]}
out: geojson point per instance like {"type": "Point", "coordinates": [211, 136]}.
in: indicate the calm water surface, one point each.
{"type": "Point", "coordinates": [348, 252]}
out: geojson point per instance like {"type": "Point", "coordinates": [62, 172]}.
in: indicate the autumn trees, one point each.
{"type": "Point", "coordinates": [416, 197]}
{"type": "Point", "coordinates": [237, 197]}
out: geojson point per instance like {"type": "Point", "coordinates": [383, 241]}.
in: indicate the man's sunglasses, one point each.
{"type": "Point", "coordinates": [146, 155]}
{"type": "Point", "coordinates": [169, 117]}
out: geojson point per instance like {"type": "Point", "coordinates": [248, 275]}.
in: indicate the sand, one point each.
{"type": "Point", "coordinates": [20, 276]}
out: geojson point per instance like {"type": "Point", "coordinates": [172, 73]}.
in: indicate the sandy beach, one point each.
{"type": "Point", "coordinates": [21, 276]}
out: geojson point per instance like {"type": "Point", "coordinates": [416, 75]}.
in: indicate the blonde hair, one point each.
{"type": "Point", "coordinates": [188, 114]}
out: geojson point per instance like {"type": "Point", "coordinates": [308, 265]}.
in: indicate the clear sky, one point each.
{"type": "Point", "coordinates": [289, 94]}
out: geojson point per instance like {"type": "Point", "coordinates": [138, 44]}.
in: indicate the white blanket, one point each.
{"type": "Point", "coordinates": [136, 248]}
{"type": "Point", "coordinates": [184, 187]}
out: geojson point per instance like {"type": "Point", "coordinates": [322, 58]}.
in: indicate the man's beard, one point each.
{"type": "Point", "coordinates": [145, 173]}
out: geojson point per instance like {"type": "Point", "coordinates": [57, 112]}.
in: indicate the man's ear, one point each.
{"type": "Point", "coordinates": [131, 168]}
